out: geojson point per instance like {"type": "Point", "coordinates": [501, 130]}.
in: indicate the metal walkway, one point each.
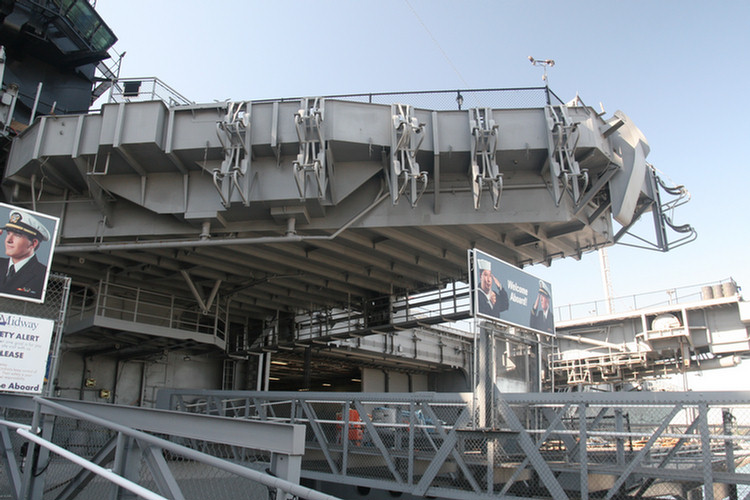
{"type": "Point", "coordinates": [544, 446]}
{"type": "Point", "coordinates": [561, 445]}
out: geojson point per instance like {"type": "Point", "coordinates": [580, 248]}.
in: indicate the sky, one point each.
{"type": "Point", "coordinates": [678, 69]}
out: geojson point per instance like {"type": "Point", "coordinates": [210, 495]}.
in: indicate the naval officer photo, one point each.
{"type": "Point", "coordinates": [541, 317]}
{"type": "Point", "coordinates": [21, 273]}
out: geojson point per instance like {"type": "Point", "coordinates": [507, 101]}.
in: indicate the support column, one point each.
{"type": "Point", "coordinates": [485, 379]}
{"type": "Point", "coordinates": [259, 373]}
{"type": "Point", "coordinates": [308, 367]}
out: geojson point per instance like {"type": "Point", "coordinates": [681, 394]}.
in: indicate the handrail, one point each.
{"type": "Point", "coordinates": [265, 479]}
{"type": "Point", "coordinates": [644, 435]}
{"type": "Point", "coordinates": [96, 469]}
{"type": "Point", "coordinates": [459, 99]}
{"type": "Point", "coordinates": [142, 305]}
{"type": "Point", "coordinates": [624, 303]}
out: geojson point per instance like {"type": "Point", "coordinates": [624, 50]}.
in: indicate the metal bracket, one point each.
{"type": "Point", "coordinates": [311, 160]}
{"type": "Point", "coordinates": [565, 173]}
{"type": "Point", "coordinates": [484, 169]}
{"type": "Point", "coordinates": [407, 135]}
{"type": "Point", "coordinates": [662, 213]}
{"type": "Point", "coordinates": [233, 134]}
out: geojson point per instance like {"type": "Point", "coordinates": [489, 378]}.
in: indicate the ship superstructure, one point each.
{"type": "Point", "coordinates": [210, 255]}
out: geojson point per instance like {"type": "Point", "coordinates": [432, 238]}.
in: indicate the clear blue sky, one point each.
{"type": "Point", "coordinates": [678, 69]}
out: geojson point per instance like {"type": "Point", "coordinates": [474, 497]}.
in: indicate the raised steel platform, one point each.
{"type": "Point", "coordinates": [273, 211]}
{"type": "Point", "coordinates": [670, 333]}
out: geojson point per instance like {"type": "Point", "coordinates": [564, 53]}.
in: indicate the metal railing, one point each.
{"type": "Point", "coordinates": [447, 303]}
{"type": "Point", "coordinates": [151, 88]}
{"type": "Point", "coordinates": [142, 305]}
{"type": "Point", "coordinates": [626, 303]}
{"type": "Point", "coordinates": [145, 89]}
{"type": "Point", "coordinates": [547, 445]}
{"type": "Point", "coordinates": [71, 449]}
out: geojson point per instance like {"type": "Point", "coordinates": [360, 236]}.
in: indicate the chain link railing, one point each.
{"type": "Point", "coordinates": [151, 88]}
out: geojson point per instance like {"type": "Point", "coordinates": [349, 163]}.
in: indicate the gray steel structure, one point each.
{"type": "Point", "coordinates": [553, 445]}
{"type": "Point", "coordinates": [263, 215]}
{"type": "Point", "coordinates": [84, 450]}
{"type": "Point", "coordinates": [51, 50]}
{"type": "Point", "coordinates": [702, 332]}
{"type": "Point", "coordinates": [375, 446]}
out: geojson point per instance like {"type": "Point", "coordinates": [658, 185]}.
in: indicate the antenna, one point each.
{"type": "Point", "coordinates": [545, 63]}
{"type": "Point", "coordinates": [607, 280]}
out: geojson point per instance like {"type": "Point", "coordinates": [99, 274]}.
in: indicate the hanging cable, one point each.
{"type": "Point", "coordinates": [434, 40]}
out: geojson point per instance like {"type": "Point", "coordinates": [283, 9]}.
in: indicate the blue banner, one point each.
{"type": "Point", "coordinates": [504, 293]}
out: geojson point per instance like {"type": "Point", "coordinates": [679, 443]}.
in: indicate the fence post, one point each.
{"type": "Point", "coordinates": [583, 456]}
{"type": "Point", "coordinates": [708, 476]}
{"type": "Point", "coordinates": [728, 419]}
{"type": "Point", "coordinates": [620, 428]}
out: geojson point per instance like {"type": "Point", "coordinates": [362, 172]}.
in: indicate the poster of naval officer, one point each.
{"type": "Point", "coordinates": [503, 292]}
{"type": "Point", "coordinates": [29, 239]}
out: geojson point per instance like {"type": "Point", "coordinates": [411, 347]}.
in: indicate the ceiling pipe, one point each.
{"type": "Point", "coordinates": [586, 340]}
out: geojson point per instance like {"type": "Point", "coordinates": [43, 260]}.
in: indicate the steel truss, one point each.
{"type": "Point", "coordinates": [546, 445]}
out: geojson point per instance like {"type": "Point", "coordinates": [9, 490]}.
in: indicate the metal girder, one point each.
{"type": "Point", "coordinates": [102, 457]}
{"type": "Point", "coordinates": [205, 305]}
{"type": "Point", "coordinates": [421, 243]}
{"type": "Point", "coordinates": [258, 267]}
{"type": "Point", "coordinates": [668, 457]}
{"type": "Point", "coordinates": [662, 215]}
{"type": "Point", "coordinates": [319, 434]}
{"type": "Point", "coordinates": [586, 439]}
{"type": "Point", "coordinates": [645, 450]}
{"type": "Point", "coordinates": [377, 441]}
{"type": "Point", "coordinates": [249, 262]}
{"type": "Point", "coordinates": [599, 184]}
{"type": "Point", "coordinates": [343, 271]}
{"type": "Point", "coordinates": [398, 253]}
{"type": "Point", "coordinates": [132, 161]}
{"type": "Point", "coordinates": [555, 423]}
{"type": "Point", "coordinates": [97, 193]}
{"type": "Point", "coordinates": [12, 471]}
{"type": "Point", "coordinates": [160, 472]}
{"type": "Point", "coordinates": [373, 260]}
{"type": "Point", "coordinates": [448, 447]}
{"type": "Point", "coordinates": [527, 444]}
{"type": "Point", "coordinates": [558, 243]}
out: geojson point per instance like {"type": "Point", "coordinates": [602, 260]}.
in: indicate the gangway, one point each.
{"type": "Point", "coordinates": [543, 445]}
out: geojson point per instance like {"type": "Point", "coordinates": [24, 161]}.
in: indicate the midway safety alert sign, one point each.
{"type": "Point", "coordinates": [24, 349]}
